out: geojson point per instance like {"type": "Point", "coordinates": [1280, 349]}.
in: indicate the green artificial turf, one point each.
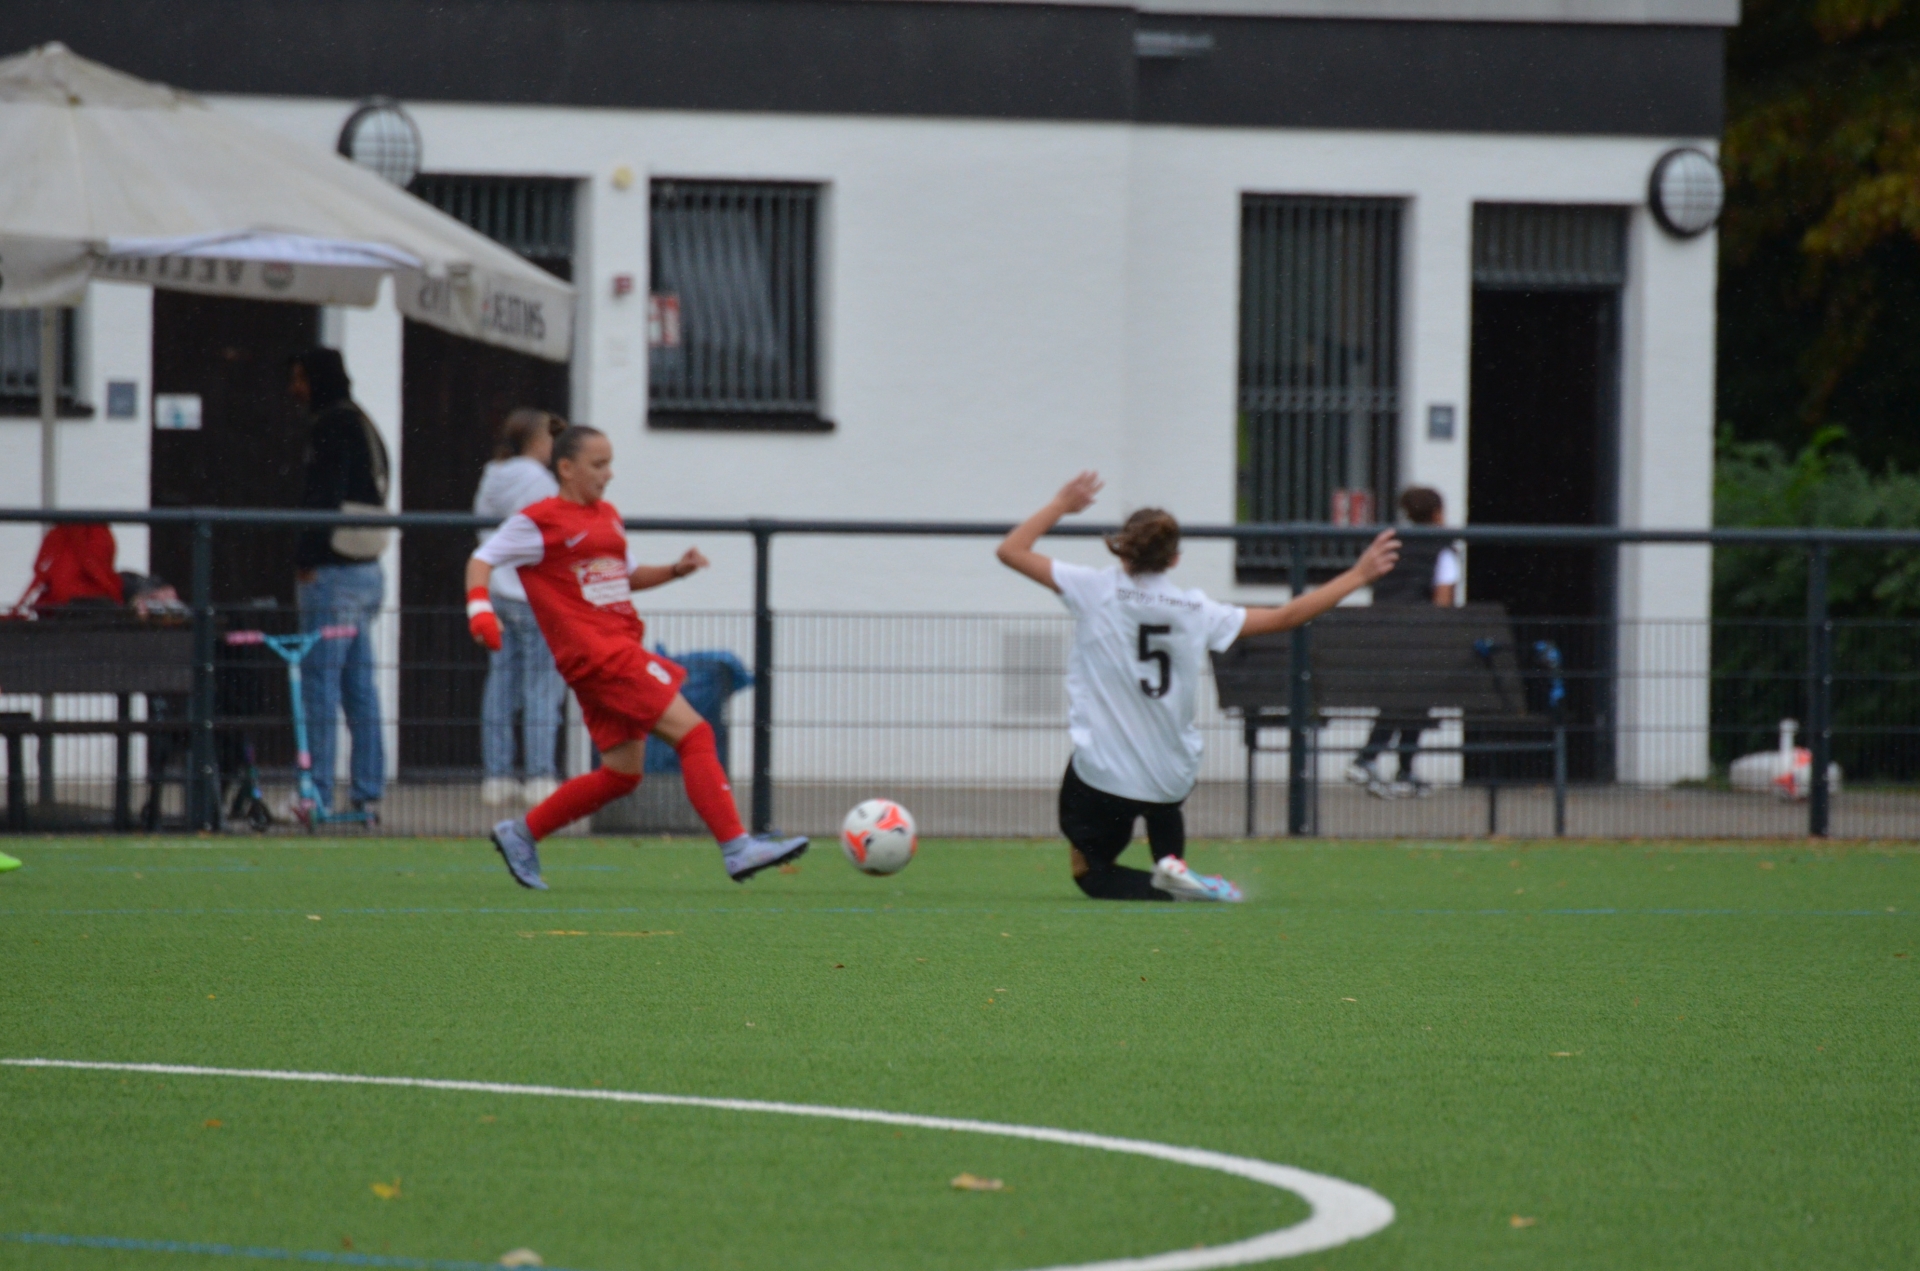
{"type": "Point", "coordinates": [1584, 1056]}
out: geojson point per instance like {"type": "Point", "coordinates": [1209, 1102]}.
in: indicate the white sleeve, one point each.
{"type": "Point", "coordinates": [1222, 623]}
{"type": "Point", "coordinates": [1446, 568]}
{"type": "Point", "coordinates": [516, 542]}
{"type": "Point", "coordinates": [1077, 583]}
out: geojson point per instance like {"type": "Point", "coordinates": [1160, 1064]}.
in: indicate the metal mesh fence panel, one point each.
{"type": "Point", "coordinates": [1649, 728]}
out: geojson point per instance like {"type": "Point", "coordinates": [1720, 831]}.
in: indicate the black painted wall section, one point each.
{"type": "Point", "coordinates": [1022, 61]}
{"type": "Point", "coordinates": [1450, 76]}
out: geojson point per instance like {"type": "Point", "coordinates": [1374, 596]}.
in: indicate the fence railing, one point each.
{"type": "Point", "coordinates": [922, 680]}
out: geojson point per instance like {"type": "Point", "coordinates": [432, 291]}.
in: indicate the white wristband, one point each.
{"type": "Point", "coordinates": [475, 607]}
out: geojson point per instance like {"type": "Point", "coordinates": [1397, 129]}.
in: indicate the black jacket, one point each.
{"type": "Point", "coordinates": [339, 469]}
{"type": "Point", "coordinates": [1411, 582]}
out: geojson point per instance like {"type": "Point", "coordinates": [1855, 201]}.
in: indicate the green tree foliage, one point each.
{"type": "Point", "coordinates": [1820, 244]}
{"type": "Point", "coordinates": [1760, 604]}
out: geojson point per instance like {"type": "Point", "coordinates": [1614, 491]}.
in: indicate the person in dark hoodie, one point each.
{"type": "Point", "coordinates": [340, 580]}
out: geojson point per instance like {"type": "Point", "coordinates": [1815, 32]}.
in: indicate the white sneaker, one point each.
{"type": "Point", "coordinates": [1363, 774]}
{"type": "Point", "coordinates": [496, 792]}
{"type": "Point", "coordinates": [1171, 875]}
{"type": "Point", "coordinates": [538, 789]}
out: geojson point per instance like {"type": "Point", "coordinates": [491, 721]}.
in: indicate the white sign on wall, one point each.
{"type": "Point", "coordinates": [177, 411]}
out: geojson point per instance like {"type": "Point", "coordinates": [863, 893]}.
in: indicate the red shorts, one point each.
{"type": "Point", "coordinates": [621, 704]}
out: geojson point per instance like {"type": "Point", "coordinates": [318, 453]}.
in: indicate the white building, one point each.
{"type": "Point", "coordinates": [1239, 255]}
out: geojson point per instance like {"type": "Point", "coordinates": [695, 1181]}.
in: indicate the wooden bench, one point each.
{"type": "Point", "coordinates": [1405, 661]}
{"type": "Point", "coordinates": [108, 653]}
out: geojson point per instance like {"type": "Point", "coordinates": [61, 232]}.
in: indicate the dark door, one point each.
{"type": "Point", "coordinates": [246, 453]}
{"type": "Point", "coordinates": [455, 393]}
{"type": "Point", "coordinates": [1545, 371]}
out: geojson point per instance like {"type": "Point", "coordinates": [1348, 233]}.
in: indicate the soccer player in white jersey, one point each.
{"type": "Point", "coordinates": [1133, 681]}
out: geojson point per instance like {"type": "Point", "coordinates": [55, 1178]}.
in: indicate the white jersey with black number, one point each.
{"type": "Point", "coordinates": [1133, 678]}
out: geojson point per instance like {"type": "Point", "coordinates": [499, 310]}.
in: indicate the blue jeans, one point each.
{"type": "Point", "coordinates": [340, 673]}
{"type": "Point", "coordinates": [520, 676]}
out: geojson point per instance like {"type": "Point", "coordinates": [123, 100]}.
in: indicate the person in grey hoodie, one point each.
{"type": "Point", "coordinates": [521, 676]}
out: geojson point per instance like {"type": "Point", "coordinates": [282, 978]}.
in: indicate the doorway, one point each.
{"type": "Point", "coordinates": [1543, 451]}
{"type": "Point", "coordinates": [232, 355]}
{"type": "Point", "coordinates": [455, 394]}
{"type": "Point", "coordinates": [247, 453]}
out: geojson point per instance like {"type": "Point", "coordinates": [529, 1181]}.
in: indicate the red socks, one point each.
{"type": "Point", "coordinates": [582, 796]}
{"type": "Point", "coordinates": [707, 787]}
{"type": "Point", "coordinates": [706, 781]}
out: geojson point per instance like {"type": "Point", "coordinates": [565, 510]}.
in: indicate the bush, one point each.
{"type": "Point", "coordinates": [1760, 605]}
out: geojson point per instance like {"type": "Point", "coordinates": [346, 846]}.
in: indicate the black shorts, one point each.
{"type": "Point", "coordinates": [1101, 824]}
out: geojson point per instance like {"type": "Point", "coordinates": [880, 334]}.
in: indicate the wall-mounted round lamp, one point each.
{"type": "Point", "coordinates": [381, 136]}
{"type": "Point", "coordinates": [1685, 192]}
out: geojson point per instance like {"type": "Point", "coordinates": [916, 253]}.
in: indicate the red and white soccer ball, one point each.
{"type": "Point", "coordinates": [879, 837]}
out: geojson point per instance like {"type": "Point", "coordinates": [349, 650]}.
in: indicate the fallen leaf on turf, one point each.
{"type": "Point", "coordinates": [521, 1258]}
{"type": "Point", "coordinates": [1517, 1222]}
{"type": "Point", "coordinates": [1899, 955]}
{"type": "Point", "coordinates": [1563, 1054]}
{"type": "Point", "coordinates": [789, 868]}
{"type": "Point", "coordinates": [1349, 999]}
{"type": "Point", "coordinates": [974, 1183]}
{"type": "Point", "coordinates": [839, 966]}
{"type": "Point", "coordinates": [215, 1125]}
{"type": "Point", "coordinates": [387, 1191]}
{"type": "Point", "coordinates": [313, 917]}
{"type": "Point", "coordinates": [1009, 936]}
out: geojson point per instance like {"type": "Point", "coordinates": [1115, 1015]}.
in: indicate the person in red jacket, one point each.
{"type": "Point", "coordinates": [572, 556]}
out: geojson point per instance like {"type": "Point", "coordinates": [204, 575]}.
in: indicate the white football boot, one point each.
{"type": "Point", "coordinates": [1172, 876]}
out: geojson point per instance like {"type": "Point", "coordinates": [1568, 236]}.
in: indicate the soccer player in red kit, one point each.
{"type": "Point", "coordinates": [571, 552]}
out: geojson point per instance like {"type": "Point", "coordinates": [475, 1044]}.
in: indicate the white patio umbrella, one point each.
{"type": "Point", "coordinates": [110, 177]}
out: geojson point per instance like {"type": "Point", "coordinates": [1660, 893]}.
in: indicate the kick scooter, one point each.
{"type": "Point", "coordinates": [293, 650]}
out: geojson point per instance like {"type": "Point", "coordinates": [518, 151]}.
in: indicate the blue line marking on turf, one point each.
{"type": "Point", "coordinates": [258, 1252]}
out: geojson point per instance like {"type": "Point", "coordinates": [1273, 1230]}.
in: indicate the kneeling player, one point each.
{"type": "Point", "coordinates": [572, 555]}
{"type": "Point", "coordinates": [1133, 680]}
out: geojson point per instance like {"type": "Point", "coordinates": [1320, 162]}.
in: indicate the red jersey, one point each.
{"type": "Point", "coordinates": [573, 562]}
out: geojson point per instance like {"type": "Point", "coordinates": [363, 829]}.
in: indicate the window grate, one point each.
{"type": "Point", "coordinates": [733, 297]}
{"type": "Point", "coordinates": [1319, 368]}
{"type": "Point", "coordinates": [1545, 247]}
{"type": "Point", "coordinates": [20, 355]}
{"type": "Point", "coordinates": [529, 215]}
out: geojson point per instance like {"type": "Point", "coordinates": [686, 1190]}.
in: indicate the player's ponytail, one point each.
{"type": "Point", "coordinates": [521, 426]}
{"type": "Point", "coordinates": [567, 443]}
{"type": "Point", "coordinates": [1148, 542]}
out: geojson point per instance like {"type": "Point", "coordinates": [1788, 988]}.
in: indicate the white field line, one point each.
{"type": "Point", "coordinates": [1342, 1211]}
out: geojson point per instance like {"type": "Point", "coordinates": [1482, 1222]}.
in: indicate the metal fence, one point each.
{"type": "Point", "coordinates": [1671, 728]}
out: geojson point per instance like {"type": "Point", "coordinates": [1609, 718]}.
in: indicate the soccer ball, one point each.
{"type": "Point", "coordinates": [879, 837]}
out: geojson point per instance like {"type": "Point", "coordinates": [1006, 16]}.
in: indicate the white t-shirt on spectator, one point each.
{"type": "Point", "coordinates": [1133, 678]}
{"type": "Point", "coordinates": [1446, 568]}
{"type": "Point", "coordinates": [506, 486]}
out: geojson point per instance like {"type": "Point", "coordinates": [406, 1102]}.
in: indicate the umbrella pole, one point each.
{"type": "Point", "coordinates": [49, 401]}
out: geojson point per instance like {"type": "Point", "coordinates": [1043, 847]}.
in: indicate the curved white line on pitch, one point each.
{"type": "Point", "coordinates": [1342, 1211]}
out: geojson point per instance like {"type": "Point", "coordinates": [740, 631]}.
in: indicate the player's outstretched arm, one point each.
{"type": "Point", "coordinates": [1374, 564]}
{"type": "Point", "coordinates": [650, 576]}
{"type": "Point", "coordinates": [1016, 549]}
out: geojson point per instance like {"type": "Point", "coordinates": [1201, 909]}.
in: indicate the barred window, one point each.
{"type": "Point", "coordinates": [530, 215]}
{"type": "Point", "coordinates": [732, 306]}
{"type": "Point", "coordinates": [20, 360]}
{"type": "Point", "coordinates": [1319, 369]}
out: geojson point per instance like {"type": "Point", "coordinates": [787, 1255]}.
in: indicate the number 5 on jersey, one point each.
{"type": "Point", "coordinates": [1159, 656]}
